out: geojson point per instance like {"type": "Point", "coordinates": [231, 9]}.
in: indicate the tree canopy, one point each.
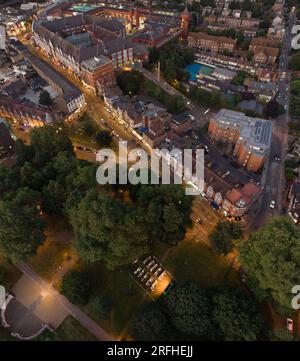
{"type": "Point", "coordinates": [151, 324]}
{"type": "Point", "coordinates": [224, 234]}
{"type": "Point", "coordinates": [166, 211]}
{"type": "Point", "coordinates": [271, 259]}
{"type": "Point", "coordinates": [45, 98]}
{"type": "Point", "coordinates": [236, 316]}
{"type": "Point", "coordinates": [21, 229]}
{"type": "Point", "coordinates": [107, 229]}
{"type": "Point", "coordinates": [189, 309]}
{"type": "Point", "coordinates": [76, 287]}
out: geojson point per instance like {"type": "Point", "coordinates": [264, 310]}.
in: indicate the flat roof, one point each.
{"type": "Point", "coordinates": [96, 62]}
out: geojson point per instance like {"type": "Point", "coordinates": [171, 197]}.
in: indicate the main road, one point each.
{"type": "Point", "coordinates": [273, 178]}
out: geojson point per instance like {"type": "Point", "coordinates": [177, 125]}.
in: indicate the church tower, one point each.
{"type": "Point", "coordinates": [185, 21]}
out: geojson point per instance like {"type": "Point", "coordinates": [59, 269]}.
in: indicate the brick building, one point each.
{"type": "Point", "coordinates": [27, 114]}
{"type": "Point", "coordinates": [212, 43]}
{"type": "Point", "coordinates": [250, 137]}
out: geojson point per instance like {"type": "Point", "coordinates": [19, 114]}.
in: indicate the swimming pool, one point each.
{"type": "Point", "coordinates": [82, 8]}
{"type": "Point", "coordinates": [195, 68]}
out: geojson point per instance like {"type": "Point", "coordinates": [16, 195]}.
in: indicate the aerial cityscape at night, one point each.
{"type": "Point", "coordinates": [150, 170]}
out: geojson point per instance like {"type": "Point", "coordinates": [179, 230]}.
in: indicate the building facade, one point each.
{"type": "Point", "coordinates": [250, 137]}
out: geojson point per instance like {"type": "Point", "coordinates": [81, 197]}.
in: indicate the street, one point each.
{"type": "Point", "coordinates": [273, 178]}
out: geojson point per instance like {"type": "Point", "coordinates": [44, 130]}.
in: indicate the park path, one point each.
{"type": "Point", "coordinates": [73, 310]}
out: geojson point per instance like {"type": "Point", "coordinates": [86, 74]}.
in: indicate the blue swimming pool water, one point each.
{"type": "Point", "coordinates": [195, 68]}
{"type": "Point", "coordinates": [82, 8]}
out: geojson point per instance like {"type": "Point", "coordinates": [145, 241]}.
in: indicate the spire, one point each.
{"type": "Point", "coordinates": [185, 11]}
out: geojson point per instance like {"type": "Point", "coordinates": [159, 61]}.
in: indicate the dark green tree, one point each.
{"type": "Point", "coordinates": [21, 229]}
{"type": "Point", "coordinates": [107, 229]}
{"type": "Point", "coordinates": [189, 309]}
{"type": "Point", "coordinates": [45, 98]}
{"type": "Point", "coordinates": [76, 287]}
{"type": "Point", "coordinates": [102, 306]}
{"type": "Point", "coordinates": [224, 234]}
{"type": "Point", "coordinates": [166, 211]}
{"type": "Point", "coordinates": [236, 315]}
{"type": "Point", "coordinates": [48, 141]}
{"type": "Point", "coordinates": [271, 259]}
{"type": "Point", "coordinates": [151, 324]}
{"type": "Point", "coordinates": [104, 138]}
{"type": "Point", "coordinates": [294, 63]}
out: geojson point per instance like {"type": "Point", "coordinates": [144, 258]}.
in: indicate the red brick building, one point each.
{"type": "Point", "coordinates": [250, 137]}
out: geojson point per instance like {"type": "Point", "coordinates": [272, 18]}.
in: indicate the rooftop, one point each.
{"type": "Point", "coordinates": [69, 91]}
{"type": "Point", "coordinates": [256, 132]}
{"type": "Point", "coordinates": [94, 63]}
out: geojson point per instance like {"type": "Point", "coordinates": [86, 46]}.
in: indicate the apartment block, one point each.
{"type": "Point", "coordinates": [250, 137]}
{"type": "Point", "coordinates": [212, 43]}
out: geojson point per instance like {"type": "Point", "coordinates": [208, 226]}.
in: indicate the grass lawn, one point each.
{"type": "Point", "coordinates": [71, 330]}
{"type": "Point", "coordinates": [121, 292]}
{"type": "Point", "coordinates": [5, 335]}
{"type": "Point", "coordinates": [197, 262]}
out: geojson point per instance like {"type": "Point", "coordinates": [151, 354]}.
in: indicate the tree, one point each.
{"type": "Point", "coordinates": [45, 98]}
{"type": "Point", "coordinates": [224, 234]}
{"type": "Point", "coordinates": [21, 229]}
{"type": "Point", "coordinates": [48, 141]}
{"type": "Point", "coordinates": [129, 81]}
{"type": "Point", "coordinates": [272, 109]}
{"type": "Point", "coordinates": [236, 316]}
{"type": "Point", "coordinates": [46, 336]}
{"type": "Point", "coordinates": [150, 324]}
{"type": "Point", "coordinates": [101, 306]}
{"type": "Point", "coordinates": [271, 259]}
{"type": "Point", "coordinates": [166, 211]}
{"type": "Point", "coordinates": [76, 287]}
{"type": "Point", "coordinates": [89, 127]}
{"type": "Point", "coordinates": [107, 229]}
{"type": "Point", "coordinates": [294, 63]}
{"type": "Point", "coordinates": [281, 335]}
{"type": "Point", "coordinates": [104, 138]}
{"type": "Point", "coordinates": [153, 55]}
{"type": "Point", "coordinates": [189, 309]}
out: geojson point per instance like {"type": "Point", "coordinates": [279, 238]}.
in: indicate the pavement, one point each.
{"type": "Point", "coordinates": [40, 301]}
{"type": "Point", "coordinates": [21, 319]}
{"type": "Point", "coordinates": [57, 301]}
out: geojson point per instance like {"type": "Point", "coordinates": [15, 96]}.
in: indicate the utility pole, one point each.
{"type": "Point", "coordinates": [158, 71]}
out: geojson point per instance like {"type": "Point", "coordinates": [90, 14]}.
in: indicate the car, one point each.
{"type": "Point", "coordinates": [200, 220]}
{"type": "Point", "coordinates": [272, 204]}
{"type": "Point", "coordinates": [290, 325]}
{"type": "Point", "coordinates": [276, 157]}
